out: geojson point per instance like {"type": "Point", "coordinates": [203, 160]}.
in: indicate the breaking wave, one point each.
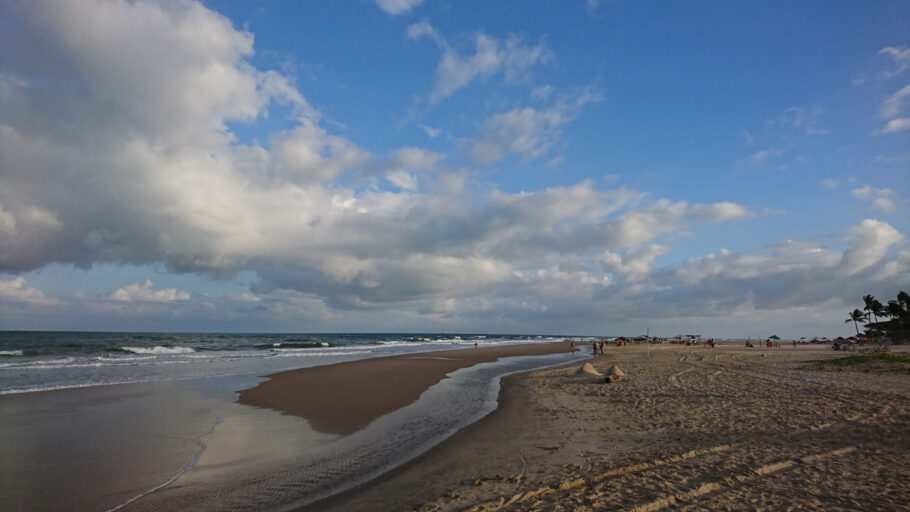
{"type": "Point", "coordinates": [158, 350]}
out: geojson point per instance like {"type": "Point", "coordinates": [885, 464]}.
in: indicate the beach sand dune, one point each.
{"type": "Point", "coordinates": [688, 428]}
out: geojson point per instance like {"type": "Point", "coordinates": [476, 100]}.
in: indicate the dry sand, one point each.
{"type": "Point", "coordinates": [689, 428]}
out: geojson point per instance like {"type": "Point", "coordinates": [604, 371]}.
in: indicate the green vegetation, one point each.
{"type": "Point", "coordinates": [881, 362]}
{"type": "Point", "coordinates": [881, 321]}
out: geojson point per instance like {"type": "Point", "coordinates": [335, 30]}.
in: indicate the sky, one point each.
{"type": "Point", "coordinates": [732, 169]}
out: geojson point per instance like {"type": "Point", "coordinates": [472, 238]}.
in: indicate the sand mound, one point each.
{"type": "Point", "coordinates": [588, 372]}
{"type": "Point", "coordinates": [614, 374]}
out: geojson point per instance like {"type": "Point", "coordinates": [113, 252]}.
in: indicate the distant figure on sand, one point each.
{"type": "Point", "coordinates": [594, 346]}
{"type": "Point", "coordinates": [602, 343]}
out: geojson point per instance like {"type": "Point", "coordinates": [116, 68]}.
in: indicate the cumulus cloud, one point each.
{"type": "Point", "coordinates": [801, 275]}
{"type": "Point", "coordinates": [145, 293]}
{"type": "Point", "coordinates": [413, 159]}
{"type": "Point", "coordinates": [511, 57]}
{"type": "Point", "coordinates": [16, 290]}
{"type": "Point", "coordinates": [635, 263]}
{"type": "Point", "coordinates": [131, 165]}
{"type": "Point", "coordinates": [869, 243]}
{"type": "Point", "coordinates": [130, 188]}
{"type": "Point", "coordinates": [880, 198]}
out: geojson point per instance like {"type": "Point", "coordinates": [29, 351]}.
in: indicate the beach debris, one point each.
{"type": "Point", "coordinates": [588, 372]}
{"type": "Point", "coordinates": [614, 374]}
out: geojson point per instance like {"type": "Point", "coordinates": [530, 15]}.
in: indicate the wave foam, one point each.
{"type": "Point", "coordinates": [159, 350]}
{"type": "Point", "coordinates": [10, 353]}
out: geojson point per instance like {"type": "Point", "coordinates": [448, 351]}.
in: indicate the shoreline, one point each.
{"type": "Point", "coordinates": [510, 400]}
{"type": "Point", "coordinates": [343, 398]}
{"type": "Point", "coordinates": [299, 465]}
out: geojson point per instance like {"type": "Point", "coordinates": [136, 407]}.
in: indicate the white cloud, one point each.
{"type": "Point", "coordinates": [542, 92]}
{"type": "Point", "coordinates": [527, 131]}
{"type": "Point", "coordinates": [556, 161]}
{"type": "Point", "coordinates": [901, 57]}
{"type": "Point", "coordinates": [893, 104]}
{"type": "Point", "coordinates": [664, 216]}
{"type": "Point", "coordinates": [145, 293]}
{"type": "Point", "coordinates": [423, 28]}
{"type": "Point", "coordinates": [799, 118]}
{"type": "Point", "coordinates": [147, 171]}
{"type": "Point", "coordinates": [396, 7]}
{"type": "Point", "coordinates": [413, 159]}
{"type": "Point", "coordinates": [868, 244]}
{"type": "Point", "coordinates": [430, 131]}
{"type": "Point", "coordinates": [880, 198]}
{"type": "Point", "coordinates": [307, 154]}
{"type": "Point", "coordinates": [895, 125]}
{"type": "Point", "coordinates": [512, 57]}
{"type": "Point", "coordinates": [760, 157]}
{"type": "Point", "coordinates": [16, 290]}
{"type": "Point", "coordinates": [403, 180]}
{"type": "Point", "coordinates": [403, 163]}
{"type": "Point", "coordinates": [635, 263]}
{"type": "Point", "coordinates": [891, 159]}
{"type": "Point", "coordinates": [830, 183]}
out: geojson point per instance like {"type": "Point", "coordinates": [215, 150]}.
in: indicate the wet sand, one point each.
{"type": "Point", "coordinates": [346, 397]}
{"type": "Point", "coordinates": [185, 445]}
{"type": "Point", "coordinates": [690, 428]}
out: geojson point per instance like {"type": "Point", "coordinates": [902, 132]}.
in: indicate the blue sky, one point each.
{"type": "Point", "coordinates": [402, 165]}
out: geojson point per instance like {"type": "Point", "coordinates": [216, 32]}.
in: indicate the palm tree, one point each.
{"type": "Point", "coordinates": [870, 307]}
{"type": "Point", "coordinates": [894, 309]}
{"type": "Point", "coordinates": [878, 309]}
{"type": "Point", "coordinates": [904, 299]}
{"type": "Point", "coordinates": [855, 316]}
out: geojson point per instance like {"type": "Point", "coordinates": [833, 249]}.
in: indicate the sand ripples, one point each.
{"type": "Point", "coordinates": [722, 429]}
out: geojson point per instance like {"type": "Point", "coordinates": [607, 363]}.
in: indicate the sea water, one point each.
{"type": "Point", "coordinates": [36, 361]}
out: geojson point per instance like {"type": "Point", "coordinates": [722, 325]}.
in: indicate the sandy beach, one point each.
{"type": "Point", "coordinates": [351, 395]}
{"type": "Point", "coordinates": [690, 428]}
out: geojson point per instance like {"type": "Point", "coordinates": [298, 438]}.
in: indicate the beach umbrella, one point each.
{"type": "Point", "coordinates": [774, 337]}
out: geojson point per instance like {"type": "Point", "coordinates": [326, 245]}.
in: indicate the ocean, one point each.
{"type": "Point", "coordinates": [36, 361]}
